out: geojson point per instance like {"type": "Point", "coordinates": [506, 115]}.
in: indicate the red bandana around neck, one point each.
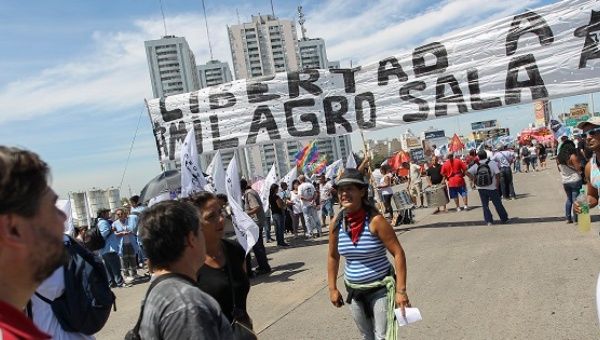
{"type": "Point", "coordinates": [356, 222]}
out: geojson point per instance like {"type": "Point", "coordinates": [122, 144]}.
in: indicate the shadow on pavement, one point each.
{"type": "Point", "coordinates": [280, 273]}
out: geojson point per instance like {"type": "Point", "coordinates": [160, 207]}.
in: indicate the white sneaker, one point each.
{"type": "Point", "coordinates": [465, 208]}
{"type": "Point", "coordinates": [457, 209]}
{"type": "Point", "coordinates": [128, 279]}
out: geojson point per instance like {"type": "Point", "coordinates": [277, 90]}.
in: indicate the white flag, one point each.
{"type": "Point", "coordinates": [192, 179]}
{"type": "Point", "coordinates": [245, 228]}
{"type": "Point", "coordinates": [65, 206]}
{"type": "Point", "coordinates": [217, 175]}
{"type": "Point", "coordinates": [290, 177]}
{"type": "Point", "coordinates": [351, 162]}
{"type": "Point", "coordinates": [232, 183]}
{"type": "Point", "coordinates": [266, 187]}
{"type": "Point", "coordinates": [332, 170]}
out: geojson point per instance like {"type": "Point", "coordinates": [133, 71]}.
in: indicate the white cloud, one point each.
{"type": "Point", "coordinates": [115, 74]}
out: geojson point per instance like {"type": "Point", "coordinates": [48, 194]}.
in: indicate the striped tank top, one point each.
{"type": "Point", "coordinates": [594, 173]}
{"type": "Point", "coordinates": [367, 260]}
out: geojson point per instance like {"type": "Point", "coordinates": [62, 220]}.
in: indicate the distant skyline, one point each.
{"type": "Point", "coordinates": [75, 74]}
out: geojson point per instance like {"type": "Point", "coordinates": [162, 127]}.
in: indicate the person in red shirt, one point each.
{"type": "Point", "coordinates": [31, 238]}
{"type": "Point", "coordinates": [454, 171]}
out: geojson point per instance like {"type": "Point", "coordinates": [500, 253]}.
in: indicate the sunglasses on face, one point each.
{"type": "Point", "coordinates": [592, 132]}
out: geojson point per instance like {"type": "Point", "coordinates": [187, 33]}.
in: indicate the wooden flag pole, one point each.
{"type": "Point", "coordinates": [379, 202]}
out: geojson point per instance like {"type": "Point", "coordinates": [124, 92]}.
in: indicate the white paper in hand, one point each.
{"type": "Point", "coordinates": [412, 315]}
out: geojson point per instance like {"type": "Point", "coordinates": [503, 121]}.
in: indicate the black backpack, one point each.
{"type": "Point", "coordinates": [93, 239]}
{"type": "Point", "coordinates": [87, 301]}
{"type": "Point", "coordinates": [483, 176]}
{"type": "Point", "coordinates": [525, 151]}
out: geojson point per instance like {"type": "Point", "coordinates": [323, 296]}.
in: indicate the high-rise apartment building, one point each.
{"type": "Point", "coordinates": [263, 47]}
{"type": "Point", "coordinates": [214, 73]}
{"type": "Point", "coordinates": [172, 66]}
{"type": "Point", "coordinates": [312, 53]}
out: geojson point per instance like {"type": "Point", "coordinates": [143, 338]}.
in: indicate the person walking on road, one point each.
{"type": "Point", "coordinates": [363, 237]}
{"type": "Point", "coordinates": [435, 178]}
{"type": "Point", "coordinates": [277, 207]}
{"type": "Point", "coordinates": [486, 176]}
{"type": "Point", "coordinates": [297, 216]}
{"type": "Point", "coordinates": [415, 183]}
{"type": "Point", "coordinates": [254, 208]}
{"type": "Point", "coordinates": [385, 187]}
{"type": "Point", "coordinates": [223, 275]}
{"type": "Point", "coordinates": [569, 168]}
{"type": "Point", "coordinates": [591, 129]}
{"type": "Point", "coordinates": [174, 307]}
{"type": "Point", "coordinates": [504, 159]}
{"type": "Point", "coordinates": [454, 172]}
{"type": "Point", "coordinates": [308, 194]}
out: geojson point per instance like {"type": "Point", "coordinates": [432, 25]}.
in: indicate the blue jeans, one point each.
{"type": "Point", "coordinates": [113, 268]}
{"type": "Point", "coordinates": [278, 220]}
{"type": "Point", "coordinates": [572, 191]}
{"type": "Point", "coordinates": [517, 165]}
{"type": "Point", "coordinates": [492, 195]}
{"type": "Point", "coordinates": [375, 326]}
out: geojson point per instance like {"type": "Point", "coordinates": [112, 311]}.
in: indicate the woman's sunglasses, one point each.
{"type": "Point", "coordinates": [592, 132]}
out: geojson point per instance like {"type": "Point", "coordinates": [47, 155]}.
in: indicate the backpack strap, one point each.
{"type": "Point", "coordinates": [136, 329]}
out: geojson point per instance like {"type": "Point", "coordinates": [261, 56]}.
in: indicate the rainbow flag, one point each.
{"type": "Point", "coordinates": [319, 167]}
{"type": "Point", "coordinates": [308, 155]}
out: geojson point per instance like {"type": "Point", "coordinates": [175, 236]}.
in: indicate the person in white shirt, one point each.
{"type": "Point", "coordinates": [307, 194]}
{"type": "Point", "coordinates": [326, 198]}
{"type": "Point", "coordinates": [489, 192]}
{"type": "Point", "coordinates": [297, 216]}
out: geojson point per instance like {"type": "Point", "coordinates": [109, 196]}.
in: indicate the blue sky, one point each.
{"type": "Point", "coordinates": [74, 73]}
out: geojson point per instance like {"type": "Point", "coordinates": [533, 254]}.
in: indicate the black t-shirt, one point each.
{"type": "Point", "coordinates": [215, 281]}
{"type": "Point", "coordinates": [435, 173]}
{"type": "Point", "coordinates": [275, 209]}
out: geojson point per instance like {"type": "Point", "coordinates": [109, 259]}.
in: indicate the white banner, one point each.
{"type": "Point", "coordinates": [192, 179]}
{"type": "Point", "coordinates": [246, 230]}
{"type": "Point", "coordinates": [549, 52]}
{"type": "Point", "coordinates": [266, 187]}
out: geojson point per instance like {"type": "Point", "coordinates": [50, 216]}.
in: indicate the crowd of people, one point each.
{"type": "Point", "coordinates": [201, 279]}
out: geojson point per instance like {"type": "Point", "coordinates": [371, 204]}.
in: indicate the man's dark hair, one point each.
{"type": "Point", "coordinates": [23, 181]}
{"type": "Point", "coordinates": [199, 199]}
{"type": "Point", "coordinates": [222, 197]}
{"type": "Point", "coordinates": [134, 200]}
{"type": "Point", "coordinates": [243, 184]}
{"type": "Point", "coordinates": [482, 154]}
{"type": "Point", "coordinates": [566, 150]}
{"type": "Point", "coordinates": [163, 230]}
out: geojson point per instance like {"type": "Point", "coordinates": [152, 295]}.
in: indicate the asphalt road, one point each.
{"type": "Point", "coordinates": [534, 278]}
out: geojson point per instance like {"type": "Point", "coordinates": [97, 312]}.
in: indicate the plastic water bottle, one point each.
{"type": "Point", "coordinates": [583, 219]}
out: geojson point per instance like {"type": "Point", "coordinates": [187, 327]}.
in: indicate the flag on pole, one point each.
{"type": "Point", "coordinates": [351, 162]}
{"type": "Point", "coordinates": [290, 177]}
{"type": "Point", "coordinates": [217, 175]}
{"type": "Point", "coordinates": [266, 187]}
{"type": "Point", "coordinates": [309, 154]}
{"type": "Point", "coordinates": [232, 183]}
{"type": "Point", "coordinates": [65, 206]}
{"type": "Point", "coordinates": [318, 167]}
{"type": "Point", "coordinates": [192, 179]}
{"type": "Point", "coordinates": [246, 230]}
{"type": "Point", "coordinates": [333, 169]}
{"type": "Point", "coordinates": [455, 144]}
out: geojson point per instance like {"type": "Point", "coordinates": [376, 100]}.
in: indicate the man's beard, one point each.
{"type": "Point", "coordinates": [50, 253]}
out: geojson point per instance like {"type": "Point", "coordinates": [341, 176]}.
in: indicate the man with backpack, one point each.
{"type": "Point", "coordinates": [31, 244]}
{"type": "Point", "coordinates": [75, 301]}
{"type": "Point", "coordinates": [485, 176]}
